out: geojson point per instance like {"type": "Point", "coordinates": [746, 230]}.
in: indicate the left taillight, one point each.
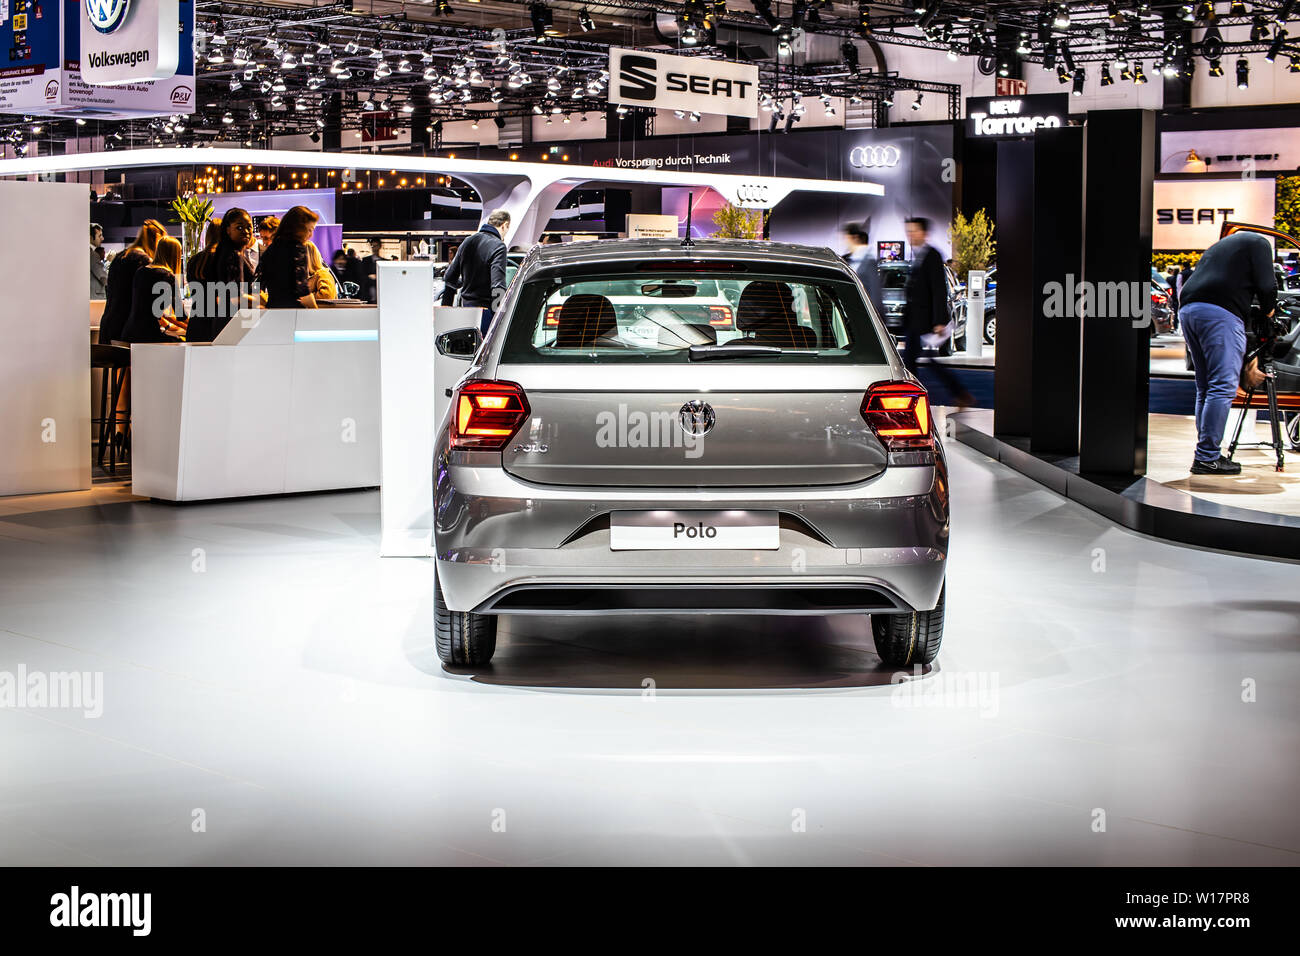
{"type": "Point", "coordinates": [720, 316]}
{"type": "Point", "coordinates": [899, 414]}
{"type": "Point", "coordinates": [487, 415]}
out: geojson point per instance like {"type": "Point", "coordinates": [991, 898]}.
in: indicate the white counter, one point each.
{"type": "Point", "coordinates": [286, 400]}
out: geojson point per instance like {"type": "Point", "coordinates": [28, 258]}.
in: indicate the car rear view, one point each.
{"type": "Point", "coordinates": [717, 428]}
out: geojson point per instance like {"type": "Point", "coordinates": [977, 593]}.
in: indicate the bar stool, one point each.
{"type": "Point", "coordinates": [114, 362]}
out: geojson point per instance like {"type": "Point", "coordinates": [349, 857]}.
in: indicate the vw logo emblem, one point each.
{"type": "Point", "coordinates": [752, 193]}
{"type": "Point", "coordinates": [867, 157]}
{"type": "Point", "coordinates": [106, 15]}
{"type": "Point", "coordinates": [697, 418]}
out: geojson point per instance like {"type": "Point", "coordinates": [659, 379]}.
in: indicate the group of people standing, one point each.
{"type": "Point", "coordinates": [154, 295]}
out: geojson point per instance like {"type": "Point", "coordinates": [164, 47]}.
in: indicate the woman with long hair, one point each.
{"type": "Point", "coordinates": [121, 279]}
{"type": "Point", "coordinates": [226, 276]}
{"type": "Point", "coordinates": [284, 270]}
{"type": "Point", "coordinates": [320, 281]}
{"type": "Point", "coordinates": [158, 299]}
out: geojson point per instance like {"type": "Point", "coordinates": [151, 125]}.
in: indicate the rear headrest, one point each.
{"type": "Point", "coordinates": [583, 319]}
{"type": "Point", "coordinates": [764, 304]}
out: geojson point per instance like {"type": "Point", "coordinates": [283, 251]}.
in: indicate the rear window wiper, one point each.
{"type": "Point", "coordinates": [707, 353]}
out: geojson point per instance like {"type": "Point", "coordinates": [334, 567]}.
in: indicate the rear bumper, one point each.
{"type": "Point", "coordinates": [505, 546]}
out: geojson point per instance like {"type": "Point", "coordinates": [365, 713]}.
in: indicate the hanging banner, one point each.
{"type": "Point", "coordinates": [42, 74]}
{"type": "Point", "coordinates": [29, 54]}
{"type": "Point", "coordinates": [665, 81]}
{"type": "Point", "coordinates": [129, 41]}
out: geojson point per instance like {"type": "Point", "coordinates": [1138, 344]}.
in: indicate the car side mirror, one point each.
{"type": "Point", "coordinates": [459, 344]}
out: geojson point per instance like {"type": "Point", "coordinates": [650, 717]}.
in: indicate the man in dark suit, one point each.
{"type": "Point", "coordinates": [926, 310]}
{"type": "Point", "coordinates": [859, 257]}
{"type": "Point", "coordinates": [478, 271]}
{"type": "Point", "coordinates": [369, 279]}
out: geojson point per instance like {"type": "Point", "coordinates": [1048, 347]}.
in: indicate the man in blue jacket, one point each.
{"type": "Point", "coordinates": [478, 271]}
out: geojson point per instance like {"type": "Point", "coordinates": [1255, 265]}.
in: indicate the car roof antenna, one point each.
{"type": "Point", "coordinates": [687, 241]}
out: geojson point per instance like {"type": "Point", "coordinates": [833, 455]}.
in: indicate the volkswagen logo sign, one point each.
{"type": "Point", "coordinates": [697, 418]}
{"type": "Point", "coordinates": [106, 15]}
{"type": "Point", "coordinates": [752, 193]}
{"type": "Point", "coordinates": [874, 157]}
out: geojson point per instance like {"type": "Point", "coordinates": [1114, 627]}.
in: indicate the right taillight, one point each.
{"type": "Point", "coordinates": [899, 414]}
{"type": "Point", "coordinates": [486, 415]}
{"type": "Point", "coordinates": [553, 315]}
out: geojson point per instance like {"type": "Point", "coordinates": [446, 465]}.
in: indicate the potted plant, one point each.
{"type": "Point", "coordinates": [193, 214]}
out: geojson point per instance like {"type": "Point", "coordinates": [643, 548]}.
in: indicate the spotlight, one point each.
{"type": "Point", "coordinates": [1274, 48]}
{"type": "Point", "coordinates": [585, 21]}
{"type": "Point", "coordinates": [1258, 30]}
{"type": "Point", "coordinates": [1138, 76]}
{"type": "Point", "coordinates": [888, 98]}
{"type": "Point", "coordinates": [1062, 75]}
{"type": "Point", "coordinates": [849, 51]}
{"type": "Point", "coordinates": [1106, 78]}
{"type": "Point", "coordinates": [1243, 74]}
{"type": "Point", "coordinates": [928, 13]}
{"type": "Point", "coordinates": [1216, 68]}
{"type": "Point", "coordinates": [1186, 13]}
{"type": "Point", "coordinates": [228, 118]}
{"type": "Point", "coordinates": [1294, 65]}
{"type": "Point", "coordinates": [1205, 11]}
{"type": "Point", "coordinates": [916, 105]}
{"type": "Point", "coordinates": [1115, 14]}
{"type": "Point", "coordinates": [1237, 9]}
{"type": "Point", "coordinates": [1066, 56]}
{"type": "Point", "coordinates": [695, 116]}
{"type": "Point", "coordinates": [1023, 47]}
{"type": "Point", "coordinates": [1062, 18]}
{"type": "Point", "coordinates": [764, 9]}
{"type": "Point", "coordinates": [235, 84]}
{"type": "Point", "coordinates": [1079, 76]}
{"type": "Point", "coordinates": [542, 18]}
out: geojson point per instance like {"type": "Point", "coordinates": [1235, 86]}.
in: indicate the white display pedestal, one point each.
{"type": "Point", "coordinates": [405, 291]}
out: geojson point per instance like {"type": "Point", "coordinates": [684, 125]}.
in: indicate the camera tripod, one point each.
{"type": "Point", "coordinates": [1265, 356]}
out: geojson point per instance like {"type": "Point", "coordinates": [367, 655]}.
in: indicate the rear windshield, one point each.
{"type": "Point", "coordinates": [652, 317]}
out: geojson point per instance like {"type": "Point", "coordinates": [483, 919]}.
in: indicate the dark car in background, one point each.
{"type": "Point", "coordinates": [893, 294]}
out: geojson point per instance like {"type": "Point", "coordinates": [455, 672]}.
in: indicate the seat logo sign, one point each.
{"type": "Point", "coordinates": [874, 157]}
{"type": "Point", "coordinates": [664, 81]}
{"type": "Point", "coordinates": [107, 15]}
{"type": "Point", "coordinates": [636, 77]}
{"type": "Point", "coordinates": [697, 418]}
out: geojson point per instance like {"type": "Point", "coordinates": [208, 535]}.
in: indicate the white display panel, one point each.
{"type": "Point", "coordinates": [406, 383]}
{"type": "Point", "coordinates": [45, 362]}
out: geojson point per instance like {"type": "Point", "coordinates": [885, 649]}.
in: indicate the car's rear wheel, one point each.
{"type": "Point", "coordinates": [913, 638]}
{"type": "Point", "coordinates": [990, 328]}
{"type": "Point", "coordinates": [464, 639]}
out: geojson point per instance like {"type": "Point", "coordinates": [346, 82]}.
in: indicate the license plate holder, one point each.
{"type": "Point", "coordinates": [694, 530]}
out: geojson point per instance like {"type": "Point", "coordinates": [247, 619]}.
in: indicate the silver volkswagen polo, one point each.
{"type": "Point", "coordinates": [721, 427]}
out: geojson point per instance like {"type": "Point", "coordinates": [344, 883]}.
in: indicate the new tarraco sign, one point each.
{"type": "Point", "coordinates": [664, 81]}
{"type": "Point", "coordinates": [999, 116]}
{"type": "Point", "coordinates": [129, 41]}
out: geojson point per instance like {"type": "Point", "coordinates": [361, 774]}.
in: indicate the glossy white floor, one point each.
{"type": "Point", "coordinates": [289, 691]}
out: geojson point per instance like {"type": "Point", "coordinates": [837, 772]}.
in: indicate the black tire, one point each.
{"type": "Point", "coordinates": [990, 328]}
{"type": "Point", "coordinates": [906, 639]}
{"type": "Point", "coordinates": [464, 639]}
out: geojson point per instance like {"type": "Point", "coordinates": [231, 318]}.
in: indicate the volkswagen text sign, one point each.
{"type": "Point", "coordinates": [992, 117]}
{"type": "Point", "coordinates": [664, 81]}
{"type": "Point", "coordinates": [129, 41]}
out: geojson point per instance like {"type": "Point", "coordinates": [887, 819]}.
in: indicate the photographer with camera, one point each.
{"type": "Point", "coordinates": [1214, 308]}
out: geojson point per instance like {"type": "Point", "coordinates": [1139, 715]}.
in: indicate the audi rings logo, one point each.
{"type": "Point", "coordinates": [756, 193]}
{"type": "Point", "coordinates": [874, 157]}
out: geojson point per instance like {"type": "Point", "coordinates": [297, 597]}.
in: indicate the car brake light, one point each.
{"type": "Point", "coordinates": [487, 414]}
{"type": "Point", "coordinates": [899, 414]}
{"type": "Point", "coordinates": [1158, 297]}
{"type": "Point", "coordinates": [720, 315]}
{"type": "Point", "coordinates": [553, 315]}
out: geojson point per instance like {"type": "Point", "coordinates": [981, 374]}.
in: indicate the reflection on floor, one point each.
{"type": "Point", "coordinates": [1101, 698]}
{"type": "Point", "coordinates": [1171, 440]}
